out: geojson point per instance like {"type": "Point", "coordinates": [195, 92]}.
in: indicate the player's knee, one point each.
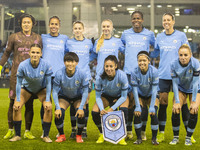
{"type": "Point", "coordinates": [163, 98]}
{"type": "Point", "coordinates": [95, 108]}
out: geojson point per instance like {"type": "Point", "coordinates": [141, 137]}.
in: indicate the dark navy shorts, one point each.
{"type": "Point", "coordinates": [110, 99]}
{"type": "Point", "coordinates": [34, 95]}
{"type": "Point", "coordinates": [165, 85]}
{"type": "Point", "coordinates": [70, 100]}
{"type": "Point", "coordinates": [144, 97]}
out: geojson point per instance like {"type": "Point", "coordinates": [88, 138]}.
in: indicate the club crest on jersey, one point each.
{"type": "Point", "coordinates": [144, 38]}
{"type": "Point", "coordinates": [41, 72]}
{"type": "Point", "coordinates": [175, 41]}
{"type": "Point", "coordinates": [86, 46]}
{"type": "Point", "coordinates": [113, 44]}
{"type": "Point", "coordinates": [77, 82]}
{"type": "Point", "coordinates": [113, 122]}
{"type": "Point", "coordinates": [61, 41]}
{"type": "Point", "coordinates": [190, 70]}
{"type": "Point", "coordinates": [118, 84]}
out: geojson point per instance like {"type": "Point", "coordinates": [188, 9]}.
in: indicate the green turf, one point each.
{"type": "Point", "coordinates": [89, 143]}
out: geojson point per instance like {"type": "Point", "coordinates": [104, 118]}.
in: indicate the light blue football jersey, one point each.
{"type": "Point", "coordinates": [110, 47]}
{"type": "Point", "coordinates": [144, 82]}
{"type": "Point", "coordinates": [71, 87]}
{"type": "Point", "coordinates": [114, 87]}
{"type": "Point", "coordinates": [34, 79]}
{"type": "Point", "coordinates": [185, 74]}
{"type": "Point", "coordinates": [53, 50]}
{"type": "Point", "coordinates": [134, 43]}
{"type": "Point", "coordinates": [83, 49]}
{"type": "Point", "coordinates": [168, 46]}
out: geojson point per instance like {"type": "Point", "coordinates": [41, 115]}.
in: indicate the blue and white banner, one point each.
{"type": "Point", "coordinates": [114, 127]}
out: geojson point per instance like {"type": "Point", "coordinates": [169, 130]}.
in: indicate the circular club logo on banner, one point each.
{"type": "Point", "coordinates": [113, 122]}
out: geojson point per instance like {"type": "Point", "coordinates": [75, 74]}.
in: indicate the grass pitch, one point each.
{"type": "Point", "coordinates": [93, 132]}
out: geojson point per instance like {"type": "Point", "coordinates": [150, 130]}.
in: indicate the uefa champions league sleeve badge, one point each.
{"type": "Point", "coordinates": [114, 127]}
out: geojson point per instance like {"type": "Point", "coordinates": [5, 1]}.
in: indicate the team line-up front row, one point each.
{"type": "Point", "coordinates": [132, 90]}
{"type": "Point", "coordinates": [70, 86]}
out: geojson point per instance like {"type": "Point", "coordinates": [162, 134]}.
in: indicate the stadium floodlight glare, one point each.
{"type": "Point", "coordinates": [159, 6]}
{"type": "Point", "coordinates": [119, 5]}
{"type": "Point", "coordinates": [177, 12]}
{"type": "Point", "coordinates": [130, 9]}
{"type": "Point", "coordinates": [113, 8]}
{"type": "Point", "coordinates": [169, 6]}
{"type": "Point", "coordinates": [75, 8]}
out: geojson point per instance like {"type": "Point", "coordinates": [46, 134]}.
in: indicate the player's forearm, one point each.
{"type": "Point", "coordinates": [195, 87]}
{"type": "Point", "coordinates": [55, 96]}
{"type": "Point", "coordinates": [5, 57]}
{"type": "Point", "coordinates": [136, 98]}
{"type": "Point", "coordinates": [153, 96]}
{"type": "Point", "coordinates": [175, 89]}
{"type": "Point", "coordinates": [99, 100]}
{"type": "Point", "coordinates": [121, 100]}
{"type": "Point", "coordinates": [48, 88]}
{"type": "Point", "coordinates": [84, 97]}
{"type": "Point", "coordinates": [18, 88]}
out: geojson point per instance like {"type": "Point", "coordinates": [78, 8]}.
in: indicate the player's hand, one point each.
{"type": "Point", "coordinates": [79, 113]}
{"type": "Point", "coordinates": [110, 110]}
{"type": "Point", "coordinates": [194, 108]}
{"type": "Point", "coordinates": [58, 113]}
{"type": "Point", "coordinates": [176, 108]}
{"type": "Point", "coordinates": [47, 105]}
{"type": "Point", "coordinates": [137, 113]}
{"type": "Point", "coordinates": [103, 112]}
{"type": "Point", "coordinates": [17, 106]}
{"type": "Point", "coordinates": [152, 111]}
{"type": "Point", "coordinates": [1, 67]}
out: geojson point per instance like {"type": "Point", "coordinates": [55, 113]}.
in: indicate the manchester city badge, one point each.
{"type": "Point", "coordinates": [114, 127]}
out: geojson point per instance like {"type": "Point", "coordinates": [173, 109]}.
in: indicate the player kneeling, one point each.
{"type": "Point", "coordinates": [144, 81]}
{"type": "Point", "coordinates": [185, 78]}
{"type": "Point", "coordinates": [70, 87]}
{"type": "Point", "coordinates": [33, 79]}
{"type": "Point", "coordinates": [111, 90]}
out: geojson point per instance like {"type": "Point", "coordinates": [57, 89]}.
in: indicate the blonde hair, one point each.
{"type": "Point", "coordinates": [185, 46]}
{"type": "Point", "coordinates": [101, 39]}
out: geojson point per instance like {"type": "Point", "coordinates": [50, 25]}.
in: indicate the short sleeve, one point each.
{"type": "Point", "coordinates": [156, 46]}
{"type": "Point", "coordinates": [123, 38]}
{"type": "Point", "coordinates": [184, 39]}
{"type": "Point", "coordinates": [152, 40]}
{"type": "Point", "coordinates": [95, 46]}
{"type": "Point", "coordinates": [121, 46]}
